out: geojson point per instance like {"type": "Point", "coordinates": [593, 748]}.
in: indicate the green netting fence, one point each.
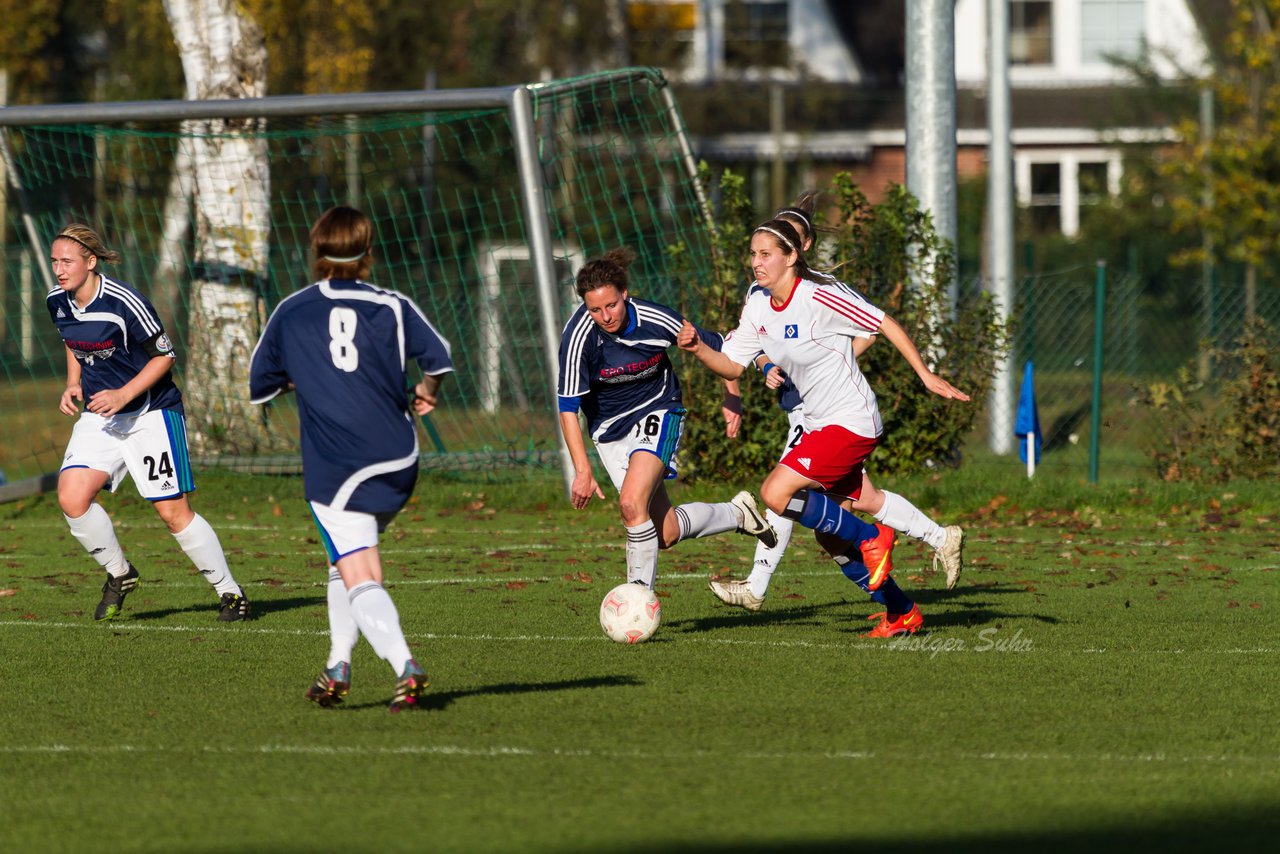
{"type": "Point", "coordinates": [451, 206]}
{"type": "Point", "coordinates": [1150, 331]}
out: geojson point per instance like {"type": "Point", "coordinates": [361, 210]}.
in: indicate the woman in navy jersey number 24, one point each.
{"type": "Point", "coordinates": [119, 361]}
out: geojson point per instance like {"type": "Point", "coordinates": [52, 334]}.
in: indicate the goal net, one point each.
{"type": "Point", "coordinates": [485, 203]}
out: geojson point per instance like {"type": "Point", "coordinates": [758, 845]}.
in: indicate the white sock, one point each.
{"type": "Point", "coordinates": [698, 519]}
{"type": "Point", "coordinates": [901, 515]}
{"type": "Point", "coordinates": [767, 559]}
{"type": "Point", "coordinates": [642, 553]}
{"type": "Point", "coordinates": [98, 536]}
{"type": "Point", "coordinates": [343, 631]}
{"type": "Point", "coordinates": [201, 544]}
{"type": "Point", "coordinates": [376, 615]}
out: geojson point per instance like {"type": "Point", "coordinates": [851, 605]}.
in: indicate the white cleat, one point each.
{"type": "Point", "coordinates": [736, 592]}
{"type": "Point", "coordinates": [753, 521]}
{"type": "Point", "coordinates": [951, 555]}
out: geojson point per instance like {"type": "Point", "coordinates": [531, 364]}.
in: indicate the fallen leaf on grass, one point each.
{"type": "Point", "coordinates": [516, 585]}
{"type": "Point", "coordinates": [8, 591]}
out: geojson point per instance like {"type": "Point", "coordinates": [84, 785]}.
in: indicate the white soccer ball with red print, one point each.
{"type": "Point", "coordinates": [630, 613]}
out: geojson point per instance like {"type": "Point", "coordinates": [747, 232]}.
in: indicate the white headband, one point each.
{"type": "Point", "coordinates": [780, 236]}
{"type": "Point", "coordinates": [351, 260]}
{"type": "Point", "coordinates": [798, 214]}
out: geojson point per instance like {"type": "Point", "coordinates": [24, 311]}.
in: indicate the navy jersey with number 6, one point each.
{"type": "Point", "coordinates": [619, 379]}
{"type": "Point", "coordinates": [113, 338]}
{"type": "Point", "coordinates": [345, 345]}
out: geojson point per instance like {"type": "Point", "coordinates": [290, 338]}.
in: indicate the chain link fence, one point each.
{"type": "Point", "coordinates": [1149, 332]}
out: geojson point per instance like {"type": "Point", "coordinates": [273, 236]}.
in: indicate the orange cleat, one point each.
{"type": "Point", "coordinates": [876, 554]}
{"type": "Point", "coordinates": [896, 624]}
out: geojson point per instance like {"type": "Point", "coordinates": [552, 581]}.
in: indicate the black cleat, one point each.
{"type": "Point", "coordinates": [233, 607]}
{"type": "Point", "coordinates": [331, 686]}
{"type": "Point", "coordinates": [113, 593]}
{"type": "Point", "coordinates": [412, 685]}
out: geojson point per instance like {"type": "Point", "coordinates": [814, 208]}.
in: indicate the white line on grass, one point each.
{"type": "Point", "coordinates": [992, 537]}
{"type": "Point", "coordinates": [918, 644]}
{"type": "Point", "coordinates": [588, 753]}
{"type": "Point", "coordinates": [480, 638]}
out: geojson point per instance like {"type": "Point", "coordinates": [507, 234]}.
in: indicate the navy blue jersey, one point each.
{"type": "Point", "coordinates": [345, 346]}
{"type": "Point", "coordinates": [619, 379]}
{"type": "Point", "coordinates": [113, 338]}
{"type": "Point", "coordinates": [787, 393]}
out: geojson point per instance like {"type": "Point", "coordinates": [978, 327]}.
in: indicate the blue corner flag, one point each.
{"type": "Point", "coordinates": [1028, 420]}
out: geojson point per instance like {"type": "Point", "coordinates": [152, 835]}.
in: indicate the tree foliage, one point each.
{"type": "Point", "coordinates": [25, 28]}
{"type": "Point", "coordinates": [1226, 185]}
{"type": "Point", "coordinates": [1231, 431]}
{"type": "Point", "coordinates": [889, 251]}
{"type": "Point", "coordinates": [76, 50]}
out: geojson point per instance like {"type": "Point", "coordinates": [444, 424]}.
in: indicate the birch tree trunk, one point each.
{"type": "Point", "coordinates": [224, 55]}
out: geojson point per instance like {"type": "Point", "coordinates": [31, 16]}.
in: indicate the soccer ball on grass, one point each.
{"type": "Point", "coordinates": [630, 613]}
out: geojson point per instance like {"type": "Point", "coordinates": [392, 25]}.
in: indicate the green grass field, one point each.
{"type": "Point", "coordinates": [1105, 678]}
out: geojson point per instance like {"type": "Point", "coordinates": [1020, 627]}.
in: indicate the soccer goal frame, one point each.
{"type": "Point", "coordinates": [539, 249]}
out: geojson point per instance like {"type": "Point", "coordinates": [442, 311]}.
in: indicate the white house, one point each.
{"type": "Point", "coordinates": [1061, 52]}
{"type": "Point", "coordinates": [1066, 131]}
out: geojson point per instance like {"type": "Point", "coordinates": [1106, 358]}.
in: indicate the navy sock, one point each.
{"type": "Point", "coordinates": [890, 595]}
{"type": "Point", "coordinates": [821, 513]}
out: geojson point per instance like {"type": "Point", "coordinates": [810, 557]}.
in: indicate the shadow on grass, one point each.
{"type": "Point", "coordinates": [812, 615]}
{"type": "Point", "coordinates": [974, 612]}
{"type": "Point", "coordinates": [259, 608]}
{"type": "Point", "coordinates": [1247, 829]}
{"type": "Point", "coordinates": [437, 702]}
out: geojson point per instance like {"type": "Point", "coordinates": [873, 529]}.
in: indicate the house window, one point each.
{"type": "Point", "coordinates": [1046, 197]}
{"type": "Point", "coordinates": [756, 34]}
{"type": "Point", "coordinates": [1110, 28]}
{"type": "Point", "coordinates": [662, 33]}
{"type": "Point", "coordinates": [1030, 32]}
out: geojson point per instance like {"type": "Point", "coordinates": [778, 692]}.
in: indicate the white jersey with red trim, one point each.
{"type": "Point", "coordinates": [809, 338]}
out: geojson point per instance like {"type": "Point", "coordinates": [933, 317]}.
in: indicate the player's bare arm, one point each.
{"type": "Point", "coordinates": [425, 394]}
{"type": "Point", "coordinates": [899, 338]}
{"type": "Point", "coordinates": [774, 376]}
{"type": "Point", "coordinates": [72, 393]}
{"type": "Point", "coordinates": [584, 480]}
{"type": "Point", "coordinates": [718, 362]}
{"type": "Point", "coordinates": [731, 408]}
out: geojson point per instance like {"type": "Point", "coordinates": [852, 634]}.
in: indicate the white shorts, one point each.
{"type": "Point", "coordinates": [345, 532]}
{"type": "Point", "coordinates": [658, 433]}
{"type": "Point", "coordinates": [151, 447]}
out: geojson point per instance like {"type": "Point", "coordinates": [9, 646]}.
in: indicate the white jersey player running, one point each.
{"type": "Point", "coordinates": [803, 322]}
{"type": "Point", "coordinates": [886, 507]}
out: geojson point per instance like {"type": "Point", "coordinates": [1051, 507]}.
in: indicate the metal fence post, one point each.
{"type": "Point", "coordinates": [1095, 419]}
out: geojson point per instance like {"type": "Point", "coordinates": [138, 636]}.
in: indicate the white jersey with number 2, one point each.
{"type": "Point", "coordinates": [809, 338]}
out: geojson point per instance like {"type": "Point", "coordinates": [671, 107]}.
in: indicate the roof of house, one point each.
{"type": "Point", "coordinates": [733, 107]}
